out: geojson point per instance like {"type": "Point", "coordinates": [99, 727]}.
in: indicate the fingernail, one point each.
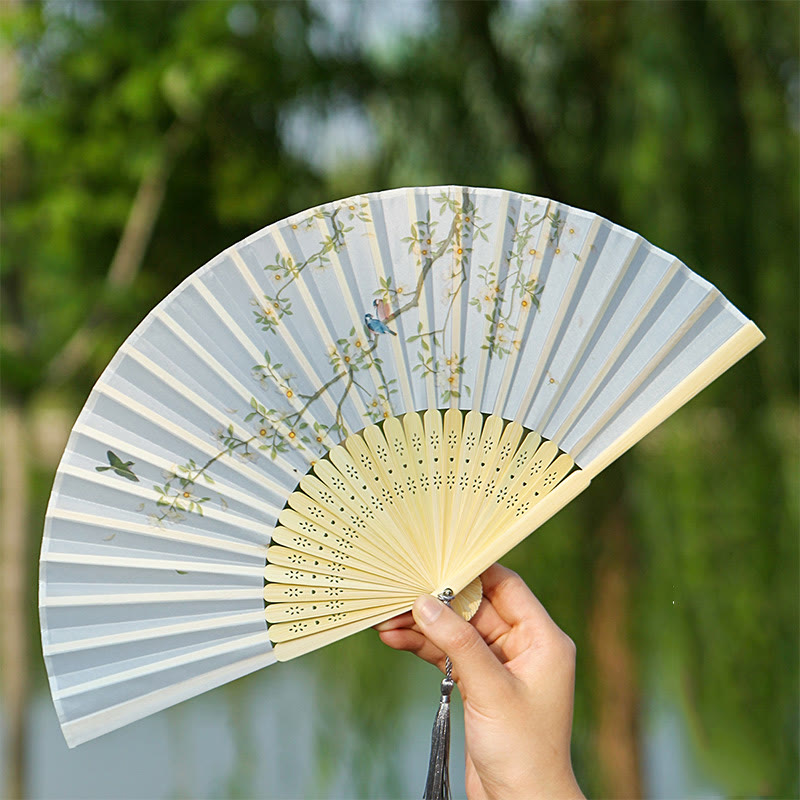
{"type": "Point", "coordinates": [428, 608]}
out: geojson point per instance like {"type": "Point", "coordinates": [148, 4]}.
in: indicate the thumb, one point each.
{"type": "Point", "coordinates": [480, 674]}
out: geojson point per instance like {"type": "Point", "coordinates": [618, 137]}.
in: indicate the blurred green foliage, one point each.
{"type": "Point", "coordinates": [679, 120]}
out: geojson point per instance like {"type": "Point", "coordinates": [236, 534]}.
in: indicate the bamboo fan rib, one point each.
{"type": "Point", "coordinates": [335, 415]}
{"type": "Point", "coordinates": [373, 553]}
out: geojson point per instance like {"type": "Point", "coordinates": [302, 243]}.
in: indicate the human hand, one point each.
{"type": "Point", "coordinates": [515, 669]}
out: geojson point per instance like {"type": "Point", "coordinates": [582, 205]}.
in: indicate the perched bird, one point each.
{"type": "Point", "coordinates": [120, 467]}
{"type": "Point", "coordinates": [375, 325]}
{"type": "Point", "coordinates": [381, 309]}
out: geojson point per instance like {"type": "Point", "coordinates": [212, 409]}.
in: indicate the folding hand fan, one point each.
{"type": "Point", "coordinates": [367, 401]}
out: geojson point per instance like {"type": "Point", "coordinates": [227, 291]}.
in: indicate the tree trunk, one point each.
{"type": "Point", "coordinates": [617, 740]}
{"type": "Point", "coordinates": [14, 511]}
{"type": "Point", "coordinates": [14, 654]}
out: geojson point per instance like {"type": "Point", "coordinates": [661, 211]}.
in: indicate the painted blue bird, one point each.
{"type": "Point", "coordinates": [375, 325]}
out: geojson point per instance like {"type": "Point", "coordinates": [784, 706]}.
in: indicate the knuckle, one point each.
{"type": "Point", "coordinates": [508, 575]}
{"type": "Point", "coordinates": [464, 638]}
{"type": "Point", "coordinates": [564, 651]}
{"type": "Point", "coordinates": [567, 645]}
{"type": "Point", "coordinates": [508, 581]}
{"type": "Point", "coordinates": [558, 644]}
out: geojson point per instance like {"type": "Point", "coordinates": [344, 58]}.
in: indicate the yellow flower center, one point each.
{"type": "Point", "coordinates": [524, 303]}
{"type": "Point", "coordinates": [399, 290]}
{"type": "Point", "coordinates": [501, 324]}
{"type": "Point", "coordinates": [572, 230]}
{"type": "Point", "coordinates": [385, 414]}
{"type": "Point", "coordinates": [466, 219]}
{"type": "Point", "coordinates": [319, 438]}
{"type": "Point", "coordinates": [294, 227]}
{"type": "Point", "coordinates": [374, 403]}
{"type": "Point", "coordinates": [187, 494]}
{"type": "Point", "coordinates": [352, 208]}
{"type": "Point", "coordinates": [347, 359]}
{"type": "Point", "coordinates": [451, 379]}
{"type": "Point", "coordinates": [552, 380]}
{"type": "Point", "coordinates": [262, 432]}
{"type": "Point", "coordinates": [532, 252]}
{"type": "Point", "coordinates": [290, 393]}
{"type": "Point", "coordinates": [292, 434]}
{"type": "Point", "coordinates": [558, 250]}
{"type": "Point", "coordinates": [358, 342]}
{"type": "Point", "coordinates": [459, 251]}
{"type": "Point", "coordinates": [427, 241]}
{"type": "Point", "coordinates": [424, 252]}
{"type": "Point", "coordinates": [277, 277]}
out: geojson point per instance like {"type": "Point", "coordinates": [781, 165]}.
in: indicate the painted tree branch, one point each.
{"type": "Point", "coordinates": [332, 243]}
{"type": "Point", "coordinates": [339, 418]}
{"type": "Point", "coordinates": [173, 504]}
{"type": "Point", "coordinates": [413, 302]}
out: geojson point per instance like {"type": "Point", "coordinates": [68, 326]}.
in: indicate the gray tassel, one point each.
{"type": "Point", "coordinates": [437, 785]}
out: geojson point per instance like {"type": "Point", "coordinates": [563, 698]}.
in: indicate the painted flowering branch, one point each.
{"type": "Point", "coordinates": [352, 354]}
{"type": "Point", "coordinates": [277, 430]}
{"type": "Point", "coordinates": [285, 270]}
{"type": "Point", "coordinates": [421, 242]}
{"type": "Point", "coordinates": [523, 292]}
{"type": "Point", "coordinates": [175, 501]}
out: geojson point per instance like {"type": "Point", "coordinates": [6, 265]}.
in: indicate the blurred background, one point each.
{"type": "Point", "coordinates": [139, 139]}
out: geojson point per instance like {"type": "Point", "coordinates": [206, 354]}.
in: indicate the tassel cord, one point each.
{"type": "Point", "coordinates": [437, 784]}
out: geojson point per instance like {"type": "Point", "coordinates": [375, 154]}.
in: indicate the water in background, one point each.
{"type": "Point", "coordinates": [279, 734]}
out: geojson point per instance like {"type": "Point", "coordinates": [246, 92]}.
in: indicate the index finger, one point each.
{"type": "Point", "coordinates": [512, 599]}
